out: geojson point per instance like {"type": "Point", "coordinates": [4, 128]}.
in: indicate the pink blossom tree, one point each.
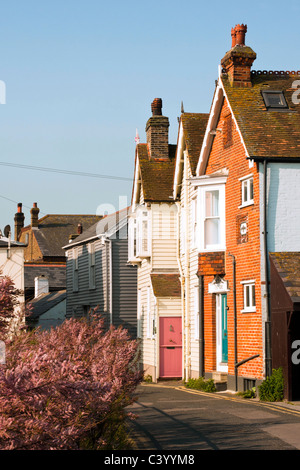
{"type": "Point", "coordinates": [9, 301]}
{"type": "Point", "coordinates": [68, 388]}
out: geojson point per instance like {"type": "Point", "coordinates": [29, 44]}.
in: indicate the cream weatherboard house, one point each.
{"type": "Point", "coordinates": [190, 136]}
{"type": "Point", "coordinates": [153, 247]}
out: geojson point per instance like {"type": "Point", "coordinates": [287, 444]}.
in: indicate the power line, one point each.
{"type": "Point", "coordinates": [15, 202]}
{"type": "Point", "coordinates": [66, 172]}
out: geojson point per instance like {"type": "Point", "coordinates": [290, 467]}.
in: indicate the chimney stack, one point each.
{"type": "Point", "coordinates": [19, 221]}
{"type": "Point", "coordinates": [34, 215]}
{"type": "Point", "coordinates": [238, 61]}
{"type": "Point", "coordinates": [41, 286]}
{"type": "Point", "coordinates": [157, 131]}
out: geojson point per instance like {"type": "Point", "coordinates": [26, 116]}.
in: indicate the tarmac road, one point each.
{"type": "Point", "coordinates": [171, 417]}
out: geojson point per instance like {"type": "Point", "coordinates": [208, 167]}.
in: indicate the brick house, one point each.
{"type": "Point", "coordinates": [247, 182]}
{"type": "Point", "coordinates": [190, 137]}
{"type": "Point", "coordinates": [44, 238]}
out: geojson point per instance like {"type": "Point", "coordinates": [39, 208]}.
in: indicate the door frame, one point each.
{"type": "Point", "coordinates": [159, 345]}
{"type": "Point", "coordinates": [220, 365]}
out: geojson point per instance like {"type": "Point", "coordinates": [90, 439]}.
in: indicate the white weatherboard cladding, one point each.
{"type": "Point", "coordinates": [283, 213]}
{"type": "Point", "coordinates": [189, 261]}
{"type": "Point", "coordinates": [162, 259]}
{"type": "Point", "coordinates": [164, 236]}
{"type": "Point", "coordinates": [283, 193]}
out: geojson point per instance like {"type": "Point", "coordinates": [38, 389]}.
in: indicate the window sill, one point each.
{"type": "Point", "coordinates": [210, 249]}
{"type": "Point", "coordinates": [249, 310]}
{"type": "Point", "coordinates": [246, 204]}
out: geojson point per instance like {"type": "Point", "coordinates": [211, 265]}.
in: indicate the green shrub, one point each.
{"type": "Point", "coordinates": [201, 384]}
{"type": "Point", "coordinates": [271, 388]}
{"type": "Point", "coordinates": [248, 393]}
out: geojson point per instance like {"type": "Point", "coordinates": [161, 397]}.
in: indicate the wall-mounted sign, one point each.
{"type": "Point", "coordinates": [218, 285]}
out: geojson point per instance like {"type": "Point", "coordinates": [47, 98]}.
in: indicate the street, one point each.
{"type": "Point", "coordinates": [170, 417]}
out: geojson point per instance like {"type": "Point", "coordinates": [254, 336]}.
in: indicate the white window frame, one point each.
{"type": "Point", "coordinates": [132, 238]}
{"type": "Point", "coordinates": [75, 270]}
{"type": "Point", "coordinates": [92, 265]}
{"type": "Point", "coordinates": [202, 190]}
{"type": "Point", "coordinates": [246, 183]}
{"type": "Point", "coordinates": [143, 232]}
{"type": "Point", "coordinates": [251, 285]}
{"type": "Point", "coordinates": [139, 235]}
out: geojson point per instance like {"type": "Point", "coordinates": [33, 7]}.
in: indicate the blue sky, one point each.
{"type": "Point", "coordinates": [80, 77]}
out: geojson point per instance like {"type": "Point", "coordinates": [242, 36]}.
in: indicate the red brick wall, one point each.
{"type": "Point", "coordinates": [246, 252]}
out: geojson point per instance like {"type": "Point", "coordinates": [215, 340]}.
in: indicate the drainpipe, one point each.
{"type": "Point", "coordinates": [201, 326]}
{"type": "Point", "coordinates": [235, 321]}
{"type": "Point", "coordinates": [268, 320]}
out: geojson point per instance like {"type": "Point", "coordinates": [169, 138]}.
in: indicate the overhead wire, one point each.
{"type": "Point", "coordinates": [66, 172]}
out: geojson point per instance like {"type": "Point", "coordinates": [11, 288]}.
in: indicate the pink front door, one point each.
{"type": "Point", "coordinates": [170, 347]}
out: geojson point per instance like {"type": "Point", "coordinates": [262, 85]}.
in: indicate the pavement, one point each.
{"type": "Point", "coordinates": [179, 384]}
{"type": "Point", "coordinates": [171, 416]}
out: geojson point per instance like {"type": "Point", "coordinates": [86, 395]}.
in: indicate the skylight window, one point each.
{"type": "Point", "coordinates": [274, 99]}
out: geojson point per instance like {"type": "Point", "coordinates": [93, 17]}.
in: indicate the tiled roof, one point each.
{"type": "Point", "coordinates": [53, 231]}
{"type": "Point", "coordinates": [5, 242]}
{"type": "Point", "coordinates": [288, 267]}
{"type": "Point", "coordinates": [103, 226]}
{"type": "Point", "coordinates": [157, 176]}
{"type": "Point", "coordinates": [45, 302]}
{"type": "Point", "coordinates": [266, 133]}
{"type": "Point", "coordinates": [166, 285]}
{"type": "Point", "coordinates": [194, 126]}
{"type": "Point", "coordinates": [56, 274]}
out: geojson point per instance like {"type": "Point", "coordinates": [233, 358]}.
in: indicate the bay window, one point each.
{"type": "Point", "coordinates": [211, 215]}
{"type": "Point", "coordinates": [139, 234]}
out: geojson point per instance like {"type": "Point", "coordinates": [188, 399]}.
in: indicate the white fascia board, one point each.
{"type": "Point", "coordinates": [212, 121]}
{"type": "Point", "coordinates": [208, 180]}
{"type": "Point", "coordinates": [235, 121]}
{"type": "Point", "coordinates": [179, 153]}
{"type": "Point", "coordinates": [211, 125]}
{"type": "Point", "coordinates": [136, 181]}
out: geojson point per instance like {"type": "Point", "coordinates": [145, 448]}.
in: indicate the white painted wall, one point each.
{"type": "Point", "coordinates": [283, 217]}
{"type": "Point", "coordinates": [13, 267]}
{"type": "Point", "coordinates": [283, 192]}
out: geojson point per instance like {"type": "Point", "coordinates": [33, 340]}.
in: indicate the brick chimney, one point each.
{"type": "Point", "coordinates": [34, 215]}
{"type": "Point", "coordinates": [19, 221]}
{"type": "Point", "coordinates": [157, 132]}
{"type": "Point", "coordinates": [238, 61]}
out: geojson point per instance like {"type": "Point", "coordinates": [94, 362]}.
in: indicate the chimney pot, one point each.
{"type": "Point", "coordinates": [233, 37]}
{"type": "Point", "coordinates": [34, 215]}
{"type": "Point", "coordinates": [240, 34]}
{"type": "Point", "coordinates": [19, 221]}
{"type": "Point", "coordinates": [79, 229]}
{"type": "Point", "coordinates": [157, 132]}
{"type": "Point", "coordinates": [156, 107]}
